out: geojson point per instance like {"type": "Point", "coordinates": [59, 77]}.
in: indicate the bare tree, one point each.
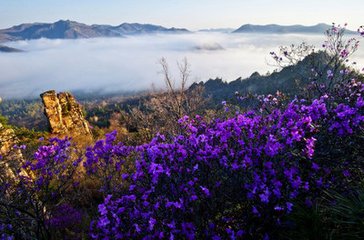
{"type": "Point", "coordinates": [161, 111]}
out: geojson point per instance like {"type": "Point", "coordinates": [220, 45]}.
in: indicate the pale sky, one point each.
{"type": "Point", "coordinates": [191, 14]}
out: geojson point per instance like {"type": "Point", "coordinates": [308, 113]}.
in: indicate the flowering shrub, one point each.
{"type": "Point", "coordinates": [52, 167]}
{"type": "Point", "coordinates": [107, 163]}
{"type": "Point", "coordinates": [234, 177]}
{"type": "Point", "coordinates": [31, 202]}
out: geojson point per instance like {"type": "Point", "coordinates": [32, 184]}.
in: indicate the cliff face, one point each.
{"type": "Point", "coordinates": [65, 115]}
{"type": "Point", "coordinates": [11, 158]}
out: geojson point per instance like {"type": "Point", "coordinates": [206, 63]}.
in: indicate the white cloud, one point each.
{"type": "Point", "coordinates": [129, 64]}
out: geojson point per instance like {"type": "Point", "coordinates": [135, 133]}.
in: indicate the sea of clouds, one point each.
{"type": "Point", "coordinates": [132, 63]}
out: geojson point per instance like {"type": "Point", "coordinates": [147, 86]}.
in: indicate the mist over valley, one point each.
{"type": "Point", "coordinates": [131, 63]}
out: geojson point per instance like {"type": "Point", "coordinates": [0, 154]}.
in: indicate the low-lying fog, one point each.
{"type": "Point", "coordinates": [131, 63]}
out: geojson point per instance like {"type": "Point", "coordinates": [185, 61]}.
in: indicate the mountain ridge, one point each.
{"type": "Point", "coordinates": [66, 29]}
{"type": "Point", "coordinates": [285, 29]}
{"type": "Point", "coordinates": [6, 49]}
{"type": "Point", "coordinates": [289, 79]}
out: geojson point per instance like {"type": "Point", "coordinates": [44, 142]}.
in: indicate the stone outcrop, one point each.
{"type": "Point", "coordinates": [11, 158]}
{"type": "Point", "coordinates": [65, 116]}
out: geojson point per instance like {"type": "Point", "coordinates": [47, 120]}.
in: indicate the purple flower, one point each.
{"type": "Point", "coordinates": [102, 209]}
{"type": "Point", "coordinates": [289, 206]}
{"type": "Point", "coordinates": [310, 145]}
{"type": "Point", "coordinates": [264, 197]}
{"type": "Point", "coordinates": [193, 198]}
{"type": "Point", "coordinates": [315, 166]}
{"type": "Point", "coordinates": [205, 190]}
{"type": "Point", "coordinates": [346, 173]}
{"type": "Point", "coordinates": [152, 222]}
{"type": "Point", "coordinates": [278, 208]}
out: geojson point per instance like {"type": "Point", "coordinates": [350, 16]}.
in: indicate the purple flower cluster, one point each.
{"type": "Point", "coordinates": [4, 231]}
{"type": "Point", "coordinates": [219, 177]}
{"type": "Point", "coordinates": [28, 202]}
{"type": "Point", "coordinates": [348, 115]}
{"type": "Point", "coordinates": [106, 162]}
{"type": "Point", "coordinates": [53, 164]}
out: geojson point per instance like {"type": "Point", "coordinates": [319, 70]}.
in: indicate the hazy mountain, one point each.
{"type": "Point", "coordinates": [136, 28]}
{"type": "Point", "coordinates": [220, 30]}
{"type": "Point", "coordinates": [73, 30]}
{"type": "Point", "coordinates": [209, 47]}
{"type": "Point", "coordinates": [9, 49]}
{"type": "Point", "coordinates": [289, 80]}
{"type": "Point", "coordinates": [280, 29]}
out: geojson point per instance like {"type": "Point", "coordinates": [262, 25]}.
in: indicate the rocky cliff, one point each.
{"type": "Point", "coordinates": [11, 158]}
{"type": "Point", "coordinates": [65, 116]}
